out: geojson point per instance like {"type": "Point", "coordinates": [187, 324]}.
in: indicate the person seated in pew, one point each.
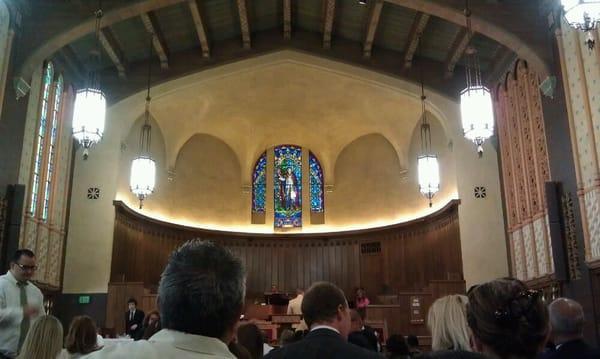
{"type": "Point", "coordinates": [151, 325]}
{"type": "Point", "coordinates": [201, 297]}
{"type": "Point", "coordinates": [327, 314]}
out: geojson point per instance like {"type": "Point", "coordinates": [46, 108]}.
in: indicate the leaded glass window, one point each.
{"type": "Point", "coordinates": [316, 184]}
{"type": "Point", "coordinates": [52, 149]}
{"type": "Point", "coordinates": [288, 186]}
{"type": "Point", "coordinates": [41, 138]}
{"type": "Point", "coordinates": [259, 184]}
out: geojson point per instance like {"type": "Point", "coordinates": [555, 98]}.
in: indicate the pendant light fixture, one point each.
{"type": "Point", "coordinates": [143, 167]}
{"type": "Point", "coordinates": [477, 114]}
{"type": "Point", "coordinates": [89, 112]}
{"type": "Point", "coordinates": [583, 15]}
{"type": "Point", "coordinates": [427, 163]}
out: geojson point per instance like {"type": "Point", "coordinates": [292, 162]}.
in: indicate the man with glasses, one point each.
{"type": "Point", "coordinates": [20, 302]}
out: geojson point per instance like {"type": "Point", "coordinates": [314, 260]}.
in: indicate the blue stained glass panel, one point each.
{"type": "Point", "coordinates": [259, 184]}
{"type": "Point", "coordinates": [316, 184]}
{"type": "Point", "coordinates": [288, 186]}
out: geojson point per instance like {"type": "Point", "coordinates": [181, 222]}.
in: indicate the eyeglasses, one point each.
{"type": "Point", "coordinates": [26, 268]}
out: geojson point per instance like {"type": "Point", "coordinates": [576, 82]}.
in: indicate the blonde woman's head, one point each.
{"type": "Point", "coordinates": [44, 340]}
{"type": "Point", "coordinates": [447, 321]}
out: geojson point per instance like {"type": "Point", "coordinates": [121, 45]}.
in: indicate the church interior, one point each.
{"type": "Point", "coordinates": [410, 148]}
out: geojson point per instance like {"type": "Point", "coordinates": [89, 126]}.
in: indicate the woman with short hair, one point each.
{"type": "Point", "coordinates": [82, 338]}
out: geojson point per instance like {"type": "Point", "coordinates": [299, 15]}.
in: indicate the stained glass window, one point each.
{"type": "Point", "coordinates": [288, 186]}
{"type": "Point", "coordinates": [52, 150]}
{"type": "Point", "coordinates": [316, 184]}
{"type": "Point", "coordinates": [259, 184]}
{"type": "Point", "coordinates": [41, 137]}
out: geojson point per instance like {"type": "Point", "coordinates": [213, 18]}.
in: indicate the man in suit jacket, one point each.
{"type": "Point", "coordinates": [361, 334]}
{"type": "Point", "coordinates": [326, 312]}
{"type": "Point", "coordinates": [134, 320]}
{"type": "Point", "coordinates": [566, 320]}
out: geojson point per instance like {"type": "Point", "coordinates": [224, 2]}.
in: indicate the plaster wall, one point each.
{"type": "Point", "coordinates": [209, 128]}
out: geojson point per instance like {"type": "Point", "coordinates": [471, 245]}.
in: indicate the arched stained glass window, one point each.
{"type": "Point", "coordinates": [41, 138]}
{"type": "Point", "coordinates": [316, 184]}
{"type": "Point", "coordinates": [288, 186]}
{"type": "Point", "coordinates": [56, 109]}
{"type": "Point", "coordinates": [259, 184]}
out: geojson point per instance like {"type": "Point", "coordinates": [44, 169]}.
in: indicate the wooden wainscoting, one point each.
{"type": "Point", "coordinates": [404, 257]}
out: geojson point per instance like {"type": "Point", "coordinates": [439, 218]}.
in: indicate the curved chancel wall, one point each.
{"type": "Point", "coordinates": [209, 128]}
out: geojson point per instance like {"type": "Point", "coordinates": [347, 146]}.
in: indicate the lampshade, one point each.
{"type": "Point", "coordinates": [477, 114]}
{"type": "Point", "coordinates": [429, 175]}
{"type": "Point", "coordinates": [142, 179]}
{"type": "Point", "coordinates": [89, 116]}
{"type": "Point", "coordinates": [582, 14]}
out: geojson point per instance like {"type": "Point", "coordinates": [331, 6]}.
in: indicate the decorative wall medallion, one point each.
{"type": "Point", "coordinates": [93, 193]}
{"type": "Point", "coordinates": [480, 192]}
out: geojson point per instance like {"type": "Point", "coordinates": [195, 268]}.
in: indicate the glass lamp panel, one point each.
{"type": "Point", "coordinates": [89, 116]}
{"type": "Point", "coordinates": [477, 114]}
{"type": "Point", "coordinates": [429, 174]}
{"type": "Point", "coordinates": [577, 10]}
{"type": "Point", "coordinates": [143, 176]}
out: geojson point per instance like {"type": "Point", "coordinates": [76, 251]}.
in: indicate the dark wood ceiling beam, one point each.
{"type": "Point", "coordinates": [287, 19]}
{"type": "Point", "coordinates": [414, 37]}
{"type": "Point", "coordinates": [504, 58]}
{"type": "Point", "coordinates": [456, 51]}
{"type": "Point", "coordinates": [375, 14]}
{"type": "Point", "coordinates": [245, 27]}
{"type": "Point", "coordinates": [73, 62]}
{"type": "Point", "coordinates": [158, 40]}
{"type": "Point", "coordinates": [328, 15]}
{"type": "Point", "coordinates": [200, 28]}
{"type": "Point", "coordinates": [113, 50]}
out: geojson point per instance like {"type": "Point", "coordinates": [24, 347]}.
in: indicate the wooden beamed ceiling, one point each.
{"type": "Point", "coordinates": [402, 30]}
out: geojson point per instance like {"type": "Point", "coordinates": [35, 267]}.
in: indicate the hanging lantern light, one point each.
{"type": "Point", "coordinates": [427, 162]}
{"type": "Point", "coordinates": [476, 111]}
{"type": "Point", "coordinates": [583, 15]}
{"type": "Point", "coordinates": [89, 112]}
{"type": "Point", "coordinates": [143, 167]}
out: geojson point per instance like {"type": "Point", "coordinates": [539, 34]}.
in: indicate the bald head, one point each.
{"type": "Point", "coordinates": [566, 318]}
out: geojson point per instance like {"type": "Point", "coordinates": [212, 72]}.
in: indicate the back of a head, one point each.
{"type": "Point", "coordinates": [396, 344]}
{"type": "Point", "coordinates": [412, 341]}
{"type": "Point", "coordinates": [566, 318]}
{"type": "Point", "coordinates": [321, 302]}
{"type": "Point", "coordinates": [82, 336]}
{"type": "Point", "coordinates": [251, 338]}
{"type": "Point", "coordinates": [201, 290]}
{"type": "Point", "coordinates": [509, 319]}
{"type": "Point", "coordinates": [44, 339]}
{"type": "Point", "coordinates": [447, 321]}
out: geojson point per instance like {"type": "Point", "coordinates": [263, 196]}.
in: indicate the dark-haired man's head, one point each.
{"type": "Point", "coordinates": [202, 290]}
{"type": "Point", "coordinates": [23, 265]}
{"type": "Point", "coordinates": [132, 304]}
{"type": "Point", "coordinates": [396, 344]}
{"type": "Point", "coordinates": [356, 321]}
{"type": "Point", "coordinates": [412, 341]}
{"type": "Point", "coordinates": [566, 320]}
{"type": "Point", "coordinates": [325, 304]}
{"type": "Point", "coordinates": [507, 319]}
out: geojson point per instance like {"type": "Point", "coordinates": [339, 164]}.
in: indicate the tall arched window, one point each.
{"type": "Point", "coordinates": [317, 203]}
{"type": "Point", "coordinates": [53, 133]}
{"type": "Point", "coordinates": [259, 184]}
{"type": "Point", "coordinates": [41, 139]}
{"type": "Point", "coordinates": [288, 186]}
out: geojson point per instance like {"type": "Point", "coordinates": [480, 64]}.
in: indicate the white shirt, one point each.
{"type": "Point", "coordinates": [324, 327]}
{"type": "Point", "coordinates": [295, 305]}
{"type": "Point", "coordinates": [11, 312]}
{"type": "Point", "coordinates": [167, 344]}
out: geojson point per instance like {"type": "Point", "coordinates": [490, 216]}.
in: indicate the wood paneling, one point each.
{"type": "Point", "coordinates": [412, 254]}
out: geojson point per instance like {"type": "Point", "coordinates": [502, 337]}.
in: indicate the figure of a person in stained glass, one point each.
{"type": "Point", "coordinates": [288, 189]}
